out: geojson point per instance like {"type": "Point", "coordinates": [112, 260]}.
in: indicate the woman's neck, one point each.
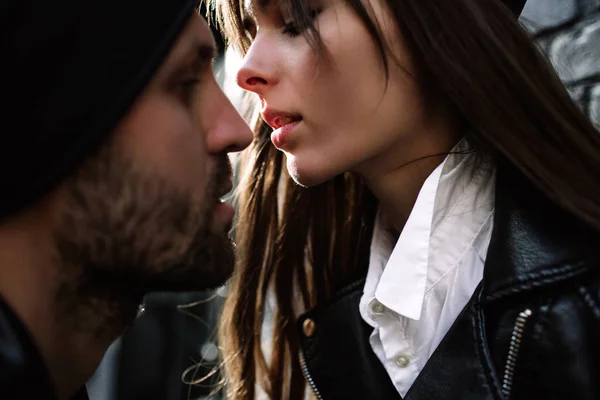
{"type": "Point", "coordinates": [396, 176]}
{"type": "Point", "coordinates": [397, 190]}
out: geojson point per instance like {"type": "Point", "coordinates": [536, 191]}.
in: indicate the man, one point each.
{"type": "Point", "coordinates": [113, 160]}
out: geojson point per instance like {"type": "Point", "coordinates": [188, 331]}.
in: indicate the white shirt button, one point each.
{"type": "Point", "coordinates": [376, 308]}
{"type": "Point", "coordinates": [402, 360]}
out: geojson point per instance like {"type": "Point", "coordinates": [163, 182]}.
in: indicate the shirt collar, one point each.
{"type": "Point", "coordinates": [410, 256]}
{"type": "Point", "coordinates": [398, 272]}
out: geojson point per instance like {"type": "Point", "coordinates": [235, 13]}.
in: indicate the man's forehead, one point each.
{"type": "Point", "coordinates": [197, 41]}
{"type": "Point", "coordinates": [203, 29]}
{"type": "Point", "coordinates": [199, 32]}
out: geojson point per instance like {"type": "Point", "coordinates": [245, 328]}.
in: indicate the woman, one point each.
{"type": "Point", "coordinates": [434, 233]}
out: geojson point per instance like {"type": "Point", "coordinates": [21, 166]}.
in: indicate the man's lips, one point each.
{"type": "Point", "coordinates": [223, 211]}
{"type": "Point", "coordinates": [277, 119]}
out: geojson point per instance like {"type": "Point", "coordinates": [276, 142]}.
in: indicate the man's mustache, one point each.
{"type": "Point", "coordinates": [223, 178]}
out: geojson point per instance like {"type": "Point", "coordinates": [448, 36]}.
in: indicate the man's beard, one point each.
{"type": "Point", "coordinates": [124, 233]}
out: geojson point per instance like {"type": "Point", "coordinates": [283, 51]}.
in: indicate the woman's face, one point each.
{"type": "Point", "coordinates": [335, 113]}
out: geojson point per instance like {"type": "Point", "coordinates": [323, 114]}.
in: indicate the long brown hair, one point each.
{"type": "Point", "coordinates": [474, 54]}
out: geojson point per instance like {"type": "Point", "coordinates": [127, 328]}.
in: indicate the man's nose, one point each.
{"type": "Point", "coordinates": [229, 132]}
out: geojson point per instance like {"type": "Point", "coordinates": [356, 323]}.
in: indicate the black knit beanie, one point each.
{"type": "Point", "coordinates": [69, 71]}
{"type": "Point", "coordinates": [516, 5]}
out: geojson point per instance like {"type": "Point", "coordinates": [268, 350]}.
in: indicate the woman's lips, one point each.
{"type": "Point", "coordinates": [280, 121]}
{"type": "Point", "coordinates": [283, 124]}
{"type": "Point", "coordinates": [276, 119]}
{"type": "Point", "coordinates": [280, 136]}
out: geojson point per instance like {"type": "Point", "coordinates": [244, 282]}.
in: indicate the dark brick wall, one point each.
{"type": "Point", "coordinates": [568, 31]}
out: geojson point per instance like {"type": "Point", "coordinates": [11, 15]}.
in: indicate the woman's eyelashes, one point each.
{"type": "Point", "coordinates": [249, 27]}
{"type": "Point", "coordinates": [293, 28]}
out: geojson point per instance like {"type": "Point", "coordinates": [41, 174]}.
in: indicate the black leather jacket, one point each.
{"type": "Point", "coordinates": [530, 331]}
{"type": "Point", "coordinates": [23, 375]}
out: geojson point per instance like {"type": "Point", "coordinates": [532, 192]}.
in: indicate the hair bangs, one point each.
{"type": "Point", "coordinates": [233, 18]}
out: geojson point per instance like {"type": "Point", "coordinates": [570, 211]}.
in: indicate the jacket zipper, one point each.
{"type": "Point", "coordinates": [513, 352]}
{"type": "Point", "coordinates": [307, 376]}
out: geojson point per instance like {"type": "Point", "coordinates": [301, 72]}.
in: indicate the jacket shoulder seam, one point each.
{"type": "Point", "coordinates": [590, 301]}
{"type": "Point", "coordinates": [540, 279]}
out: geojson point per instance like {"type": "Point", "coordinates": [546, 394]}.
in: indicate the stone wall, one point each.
{"type": "Point", "coordinates": [568, 31]}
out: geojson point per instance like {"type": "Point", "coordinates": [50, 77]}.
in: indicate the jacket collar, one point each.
{"type": "Point", "coordinates": [21, 362]}
{"type": "Point", "coordinates": [534, 242]}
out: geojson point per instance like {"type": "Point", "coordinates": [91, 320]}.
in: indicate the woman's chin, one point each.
{"type": "Point", "coordinates": [305, 177]}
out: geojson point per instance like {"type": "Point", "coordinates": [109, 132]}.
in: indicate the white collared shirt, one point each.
{"type": "Point", "coordinates": [418, 285]}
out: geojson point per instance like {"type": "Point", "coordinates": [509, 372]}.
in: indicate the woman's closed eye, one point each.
{"type": "Point", "coordinates": [249, 27]}
{"type": "Point", "coordinates": [293, 29]}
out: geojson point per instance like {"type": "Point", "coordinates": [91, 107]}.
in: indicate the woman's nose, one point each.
{"type": "Point", "coordinates": [258, 70]}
